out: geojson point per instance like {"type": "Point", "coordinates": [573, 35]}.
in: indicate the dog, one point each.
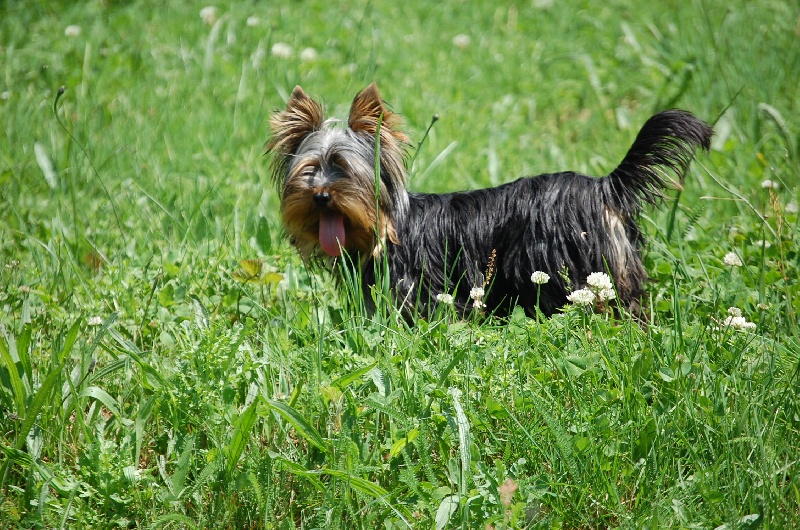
{"type": "Point", "coordinates": [471, 248]}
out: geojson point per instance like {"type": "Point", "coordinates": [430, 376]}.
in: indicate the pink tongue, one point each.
{"type": "Point", "coordinates": [331, 229]}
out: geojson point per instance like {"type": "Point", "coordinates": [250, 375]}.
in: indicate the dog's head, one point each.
{"type": "Point", "coordinates": [330, 196]}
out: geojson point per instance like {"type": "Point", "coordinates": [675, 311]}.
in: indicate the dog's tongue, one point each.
{"type": "Point", "coordinates": [331, 229]}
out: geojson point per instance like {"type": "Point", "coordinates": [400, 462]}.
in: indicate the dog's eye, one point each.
{"type": "Point", "coordinates": [308, 171]}
{"type": "Point", "coordinates": [339, 165]}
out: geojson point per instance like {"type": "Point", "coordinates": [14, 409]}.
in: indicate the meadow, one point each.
{"type": "Point", "coordinates": [168, 361]}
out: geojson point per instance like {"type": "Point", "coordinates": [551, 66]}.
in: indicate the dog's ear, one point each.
{"type": "Point", "coordinates": [289, 127]}
{"type": "Point", "coordinates": [366, 113]}
{"type": "Point", "coordinates": [368, 110]}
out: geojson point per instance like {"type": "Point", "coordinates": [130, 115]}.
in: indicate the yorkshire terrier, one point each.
{"type": "Point", "coordinates": [335, 209]}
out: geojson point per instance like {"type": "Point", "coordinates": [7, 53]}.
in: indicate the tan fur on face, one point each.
{"type": "Point", "coordinates": [314, 156]}
{"type": "Point", "coordinates": [301, 216]}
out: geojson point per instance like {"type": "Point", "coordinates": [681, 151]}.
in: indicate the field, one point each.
{"type": "Point", "coordinates": [168, 361]}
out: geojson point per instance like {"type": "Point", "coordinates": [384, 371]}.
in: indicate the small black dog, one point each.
{"type": "Point", "coordinates": [454, 245]}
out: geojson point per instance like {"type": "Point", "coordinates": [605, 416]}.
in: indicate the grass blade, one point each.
{"type": "Point", "coordinates": [463, 440]}
{"type": "Point", "coordinates": [17, 387]}
{"type": "Point", "coordinates": [178, 477]}
{"type": "Point", "coordinates": [240, 438]}
{"type": "Point", "coordinates": [45, 391]}
{"type": "Point", "coordinates": [300, 471]}
{"type": "Point", "coordinates": [299, 423]}
{"type": "Point", "coordinates": [369, 488]}
{"type": "Point", "coordinates": [103, 397]}
{"type": "Point", "coordinates": [346, 379]}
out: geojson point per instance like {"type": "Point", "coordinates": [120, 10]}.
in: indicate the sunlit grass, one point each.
{"type": "Point", "coordinates": [168, 361]}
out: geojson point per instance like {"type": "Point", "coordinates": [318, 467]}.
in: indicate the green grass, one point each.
{"type": "Point", "coordinates": [153, 378]}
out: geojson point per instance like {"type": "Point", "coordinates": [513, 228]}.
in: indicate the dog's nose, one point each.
{"type": "Point", "coordinates": [322, 198]}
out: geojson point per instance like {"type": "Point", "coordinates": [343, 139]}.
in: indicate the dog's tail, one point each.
{"type": "Point", "coordinates": [667, 141]}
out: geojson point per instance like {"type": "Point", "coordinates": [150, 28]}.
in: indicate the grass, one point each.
{"type": "Point", "coordinates": [168, 362]}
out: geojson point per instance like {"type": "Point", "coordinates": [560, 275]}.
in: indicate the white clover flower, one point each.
{"type": "Point", "coordinates": [762, 243]}
{"type": "Point", "coordinates": [739, 322]}
{"type": "Point", "coordinates": [767, 184]}
{"type": "Point", "coordinates": [606, 294]}
{"type": "Point", "coordinates": [209, 15]}
{"type": "Point", "coordinates": [539, 277]}
{"type": "Point", "coordinates": [731, 259]}
{"type": "Point", "coordinates": [734, 312]}
{"type": "Point", "coordinates": [6, 94]}
{"type": "Point", "coordinates": [581, 297]}
{"type": "Point", "coordinates": [791, 207]}
{"type": "Point", "coordinates": [308, 54]}
{"type": "Point", "coordinates": [600, 284]}
{"type": "Point", "coordinates": [735, 320]}
{"type": "Point", "coordinates": [253, 21]}
{"type": "Point", "coordinates": [24, 289]}
{"type": "Point", "coordinates": [445, 298]}
{"type": "Point", "coordinates": [476, 293]}
{"type": "Point", "coordinates": [461, 41]}
{"type": "Point", "coordinates": [477, 304]}
{"type": "Point", "coordinates": [95, 321]}
{"type": "Point", "coordinates": [282, 50]}
{"type": "Point", "coordinates": [72, 30]}
{"type": "Point", "coordinates": [599, 281]}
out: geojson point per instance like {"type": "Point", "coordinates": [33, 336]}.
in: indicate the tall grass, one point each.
{"type": "Point", "coordinates": [168, 361]}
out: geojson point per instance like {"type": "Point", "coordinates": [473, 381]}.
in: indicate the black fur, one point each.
{"type": "Point", "coordinates": [557, 223]}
